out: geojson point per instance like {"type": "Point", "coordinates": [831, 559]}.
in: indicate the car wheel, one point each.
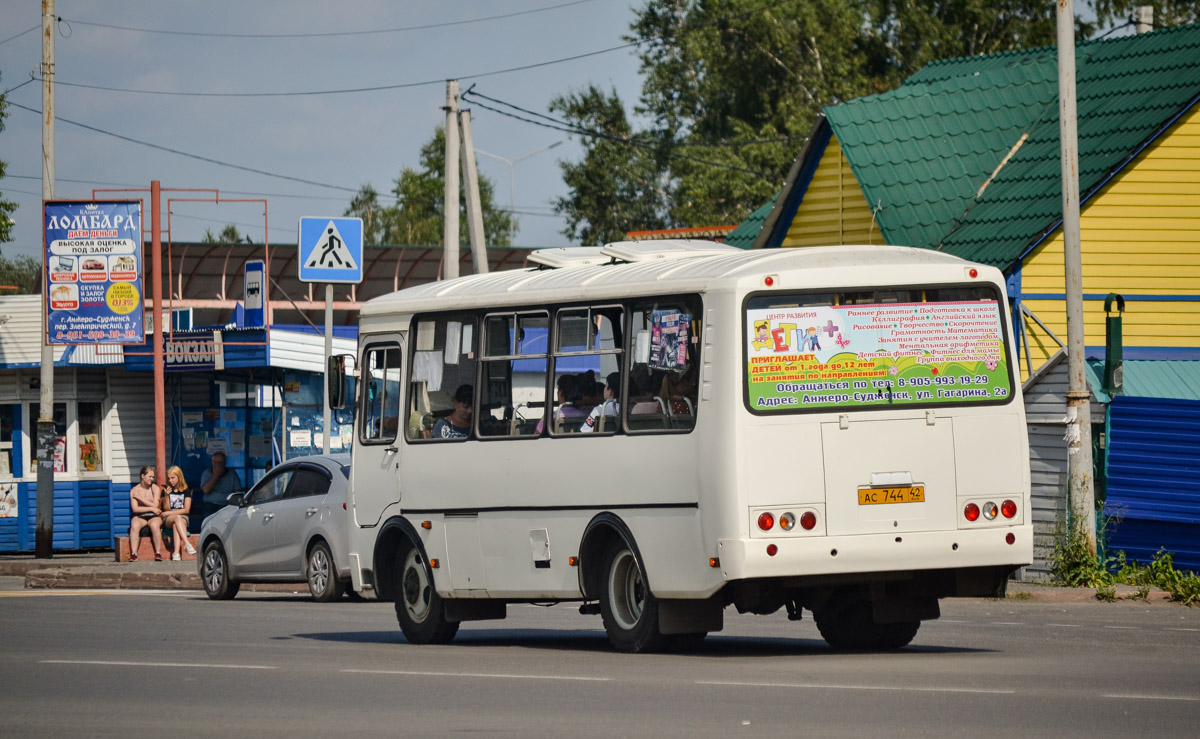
{"type": "Point", "coordinates": [627, 607]}
{"type": "Point", "coordinates": [214, 571]}
{"type": "Point", "coordinates": [418, 606]}
{"type": "Point", "coordinates": [322, 575]}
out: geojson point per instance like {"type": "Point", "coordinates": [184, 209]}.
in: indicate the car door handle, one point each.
{"type": "Point", "coordinates": [392, 449]}
{"type": "Point", "coordinates": [311, 511]}
{"type": "Point", "coordinates": [268, 516]}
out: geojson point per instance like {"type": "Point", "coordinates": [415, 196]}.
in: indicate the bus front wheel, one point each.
{"type": "Point", "coordinates": [418, 606]}
{"type": "Point", "coordinates": [628, 608]}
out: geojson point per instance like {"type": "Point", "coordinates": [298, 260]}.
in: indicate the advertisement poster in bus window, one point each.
{"type": "Point", "coordinates": [894, 354]}
{"type": "Point", "coordinates": [668, 339]}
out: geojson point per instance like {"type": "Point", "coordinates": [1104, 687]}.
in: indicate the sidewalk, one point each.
{"type": "Point", "coordinates": [99, 570]}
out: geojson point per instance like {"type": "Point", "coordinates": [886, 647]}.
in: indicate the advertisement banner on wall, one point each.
{"type": "Point", "coordinates": [93, 269]}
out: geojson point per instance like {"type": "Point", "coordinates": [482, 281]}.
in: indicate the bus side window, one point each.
{"type": "Point", "coordinates": [664, 365]}
{"type": "Point", "coordinates": [444, 354]}
{"type": "Point", "coordinates": [587, 352]}
{"type": "Point", "coordinates": [512, 399]}
{"type": "Point", "coordinates": [381, 394]}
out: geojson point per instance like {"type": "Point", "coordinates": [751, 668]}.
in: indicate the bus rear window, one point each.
{"type": "Point", "coordinates": [876, 348]}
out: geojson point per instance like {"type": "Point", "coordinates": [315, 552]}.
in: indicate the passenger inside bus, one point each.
{"type": "Point", "coordinates": [603, 416]}
{"type": "Point", "coordinates": [457, 425]}
{"type": "Point", "coordinates": [567, 389]}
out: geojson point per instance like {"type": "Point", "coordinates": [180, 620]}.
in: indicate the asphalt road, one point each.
{"type": "Point", "coordinates": [137, 663]}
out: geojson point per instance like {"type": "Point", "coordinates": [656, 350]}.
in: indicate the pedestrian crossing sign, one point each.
{"type": "Point", "coordinates": [331, 250]}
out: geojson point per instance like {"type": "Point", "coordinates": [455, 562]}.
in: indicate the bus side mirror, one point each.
{"type": "Point", "coordinates": [339, 382]}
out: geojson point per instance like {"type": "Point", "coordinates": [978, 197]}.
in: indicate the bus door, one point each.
{"type": "Point", "coordinates": [376, 460]}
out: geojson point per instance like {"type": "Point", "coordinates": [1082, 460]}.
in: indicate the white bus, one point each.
{"type": "Point", "coordinates": [661, 430]}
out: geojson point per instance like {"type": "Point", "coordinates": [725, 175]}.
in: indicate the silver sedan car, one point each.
{"type": "Point", "coordinates": [289, 527]}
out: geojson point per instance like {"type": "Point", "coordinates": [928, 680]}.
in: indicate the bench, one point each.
{"type": "Point", "coordinates": [146, 547]}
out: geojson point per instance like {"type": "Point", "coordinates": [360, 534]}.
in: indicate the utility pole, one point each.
{"type": "Point", "coordinates": [1079, 413]}
{"type": "Point", "coordinates": [156, 287]}
{"type": "Point", "coordinates": [44, 538]}
{"type": "Point", "coordinates": [450, 202]}
{"type": "Point", "coordinates": [474, 206]}
{"type": "Point", "coordinates": [1144, 18]}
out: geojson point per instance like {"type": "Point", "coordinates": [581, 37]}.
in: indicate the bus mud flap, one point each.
{"type": "Point", "coordinates": [474, 609]}
{"type": "Point", "coordinates": [677, 616]}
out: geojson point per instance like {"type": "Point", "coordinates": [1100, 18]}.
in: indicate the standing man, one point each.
{"type": "Point", "coordinates": [217, 483]}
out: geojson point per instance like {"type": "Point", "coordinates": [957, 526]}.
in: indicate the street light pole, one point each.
{"type": "Point", "coordinates": [512, 167]}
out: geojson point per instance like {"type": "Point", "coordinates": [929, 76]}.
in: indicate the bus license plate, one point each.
{"type": "Point", "coordinates": [877, 496]}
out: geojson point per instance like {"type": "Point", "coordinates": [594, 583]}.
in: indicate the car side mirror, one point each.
{"type": "Point", "coordinates": [237, 499]}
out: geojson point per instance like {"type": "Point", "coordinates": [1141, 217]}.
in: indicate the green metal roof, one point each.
{"type": "Point", "coordinates": [922, 151]}
{"type": "Point", "coordinates": [743, 236]}
{"type": "Point", "coordinates": [1150, 378]}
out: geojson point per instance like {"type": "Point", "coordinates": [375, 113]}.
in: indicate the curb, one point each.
{"type": "Point", "coordinates": [75, 578]}
{"type": "Point", "coordinates": [69, 578]}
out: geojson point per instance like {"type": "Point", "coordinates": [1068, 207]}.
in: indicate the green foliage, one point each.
{"type": "Point", "coordinates": [417, 217]}
{"type": "Point", "coordinates": [1166, 12]}
{"type": "Point", "coordinates": [617, 187]}
{"type": "Point", "coordinates": [6, 207]}
{"type": "Point", "coordinates": [1074, 564]}
{"type": "Point", "coordinates": [24, 272]}
{"type": "Point", "coordinates": [228, 235]}
{"type": "Point", "coordinates": [732, 87]}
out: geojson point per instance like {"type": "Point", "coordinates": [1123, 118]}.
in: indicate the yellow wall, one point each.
{"type": "Point", "coordinates": [1140, 236]}
{"type": "Point", "coordinates": [834, 210]}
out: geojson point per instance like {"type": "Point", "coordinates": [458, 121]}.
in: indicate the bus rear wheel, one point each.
{"type": "Point", "coordinates": [853, 627]}
{"type": "Point", "coordinates": [419, 608]}
{"type": "Point", "coordinates": [627, 607]}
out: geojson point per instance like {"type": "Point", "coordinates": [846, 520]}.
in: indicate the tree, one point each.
{"type": "Point", "coordinates": [365, 205]}
{"type": "Point", "coordinates": [417, 218]}
{"type": "Point", "coordinates": [617, 187]}
{"type": "Point", "coordinates": [6, 207]}
{"type": "Point", "coordinates": [1166, 12]}
{"type": "Point", "coordinates": [24, 272]}
{"type": "Point", "coordinates": [228, 235]}
{"type": "Point", "coordinates": [732, 87]}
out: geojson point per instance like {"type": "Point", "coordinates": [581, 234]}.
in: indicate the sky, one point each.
{"type": "Point", "coordinates": [312, 151]}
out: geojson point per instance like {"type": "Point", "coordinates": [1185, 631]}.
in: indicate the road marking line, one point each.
{"type": "Point", "coordinates": [1131, 696]}
{"type": "Point", "coordinates": [1066, 626]}
{"type": "Point", "coordinates": [1126, 628]}
{"type": "Point", "coordinates": [1170, 628]}
{"type": "Point", "coordinates": [418, 673]}
{"type": "Point", "coordinates": [824, 686]}
{"type": "Point", "coordinates": [1008, 623]}
{"type": "Point", "coordinates": [152, 664]}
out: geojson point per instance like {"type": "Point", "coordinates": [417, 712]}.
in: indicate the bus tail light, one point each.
{"type": "Point", "coordinates": [765, 521]}
{"type": "Point", "coordinates": [990, 510]}
{"type": "Point", "coordinates": [1008, 508]}
{"type": "Point", "coordinates": [971, 512]}
{"type": "Point", "coordinates": [772, 550]}
{"type": "Point", "coordinates": [787, 521]}
{"type": "Point", "coordinates": [808, 520]}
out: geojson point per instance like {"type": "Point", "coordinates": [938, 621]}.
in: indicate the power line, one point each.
{"type": "Point", "coordinates": [714, 144]}
{"type": "Point", "coordinates": [345, 91]}
{"type": "Point", "coordinates": [22, 33]}
{"type": "Point", "coordinates": [168, 149]}
{"type": "Point", "coordinates": [324, 34]}
{"type": "Point", "coordinates": [568, 128]}
{"type": "Point", "coordinates": [142, 184]}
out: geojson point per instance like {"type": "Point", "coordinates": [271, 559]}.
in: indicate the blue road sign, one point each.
{"type": "Point", "coordinates": [331, 250]}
